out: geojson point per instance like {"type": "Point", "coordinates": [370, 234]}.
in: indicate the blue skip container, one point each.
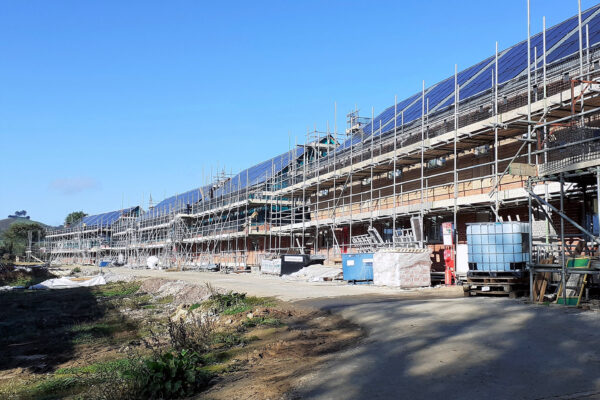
{"type": "Point", "coordinates": [358, 268]}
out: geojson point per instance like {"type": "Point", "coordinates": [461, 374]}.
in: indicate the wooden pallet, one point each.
{"type": "Point", "coordinates": [505, 285]}
{"type": "Point", "coordinates": [499, 280]}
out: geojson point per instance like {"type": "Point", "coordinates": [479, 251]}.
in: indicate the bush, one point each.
{"type": "Point", "coordinates": [174, 375]}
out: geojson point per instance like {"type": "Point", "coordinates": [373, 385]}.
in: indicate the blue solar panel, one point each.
{"type": "Point", "coordinates": [511, 63]}
{"type": "Point", "coordinates": [177, 202]}
{"type": "Point", "coordinates": [104, 219]}
{"type": "Point", "coordinates": [571, 45]}
{"type": "Point", "coordinates": [387, 116]}
{"type": "Point", "coordinates": [594, 33]}
{"type": "Point", "coordinates": [251, 176]}
{"type": "Point", "coordinates": [462, 78]}
{"type": "Point", "coordinates": [261, 172]}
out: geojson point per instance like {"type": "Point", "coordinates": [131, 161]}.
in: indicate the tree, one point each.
{"type": "Point", "coordinates": [14, 239]}
{"type": "Point", "coordinates": [74, 217]}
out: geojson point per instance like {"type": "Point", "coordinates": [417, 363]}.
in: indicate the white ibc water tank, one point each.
{"type": "Point", "coordinates": [152, 262]}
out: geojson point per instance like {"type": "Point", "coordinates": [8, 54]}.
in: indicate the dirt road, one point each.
{"type": "Point", "coordinates": [432, 344]}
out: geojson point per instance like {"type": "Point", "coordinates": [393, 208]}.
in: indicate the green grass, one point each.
{"type": "Point", "coordinates": [235, 303]}
{"type": "Point", "coordinates": [118, 289]}
{"type": "Point", "coordinates": [22, 281]}
{"type": "Point", "coordinates": [25, 281]}
{"type": "Point", "coordinates": [229, 339]}
{"type": "Point", "coordinates": [120, 364]}
{"type": "Point", "coordinates": [237, 309]}
{"type": "Point", "coordinates": [50, 388]}
{"type": "Point", "coordinates": [90, 332]}
{"type": "Point", "coordinates": [91, 318]}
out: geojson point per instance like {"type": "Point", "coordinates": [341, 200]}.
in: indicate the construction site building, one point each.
{"type": "Point", "coordinates": [514, 137]}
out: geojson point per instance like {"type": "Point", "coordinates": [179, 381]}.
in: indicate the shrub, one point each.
{"type": "Point", "coordinates": [174, 375]}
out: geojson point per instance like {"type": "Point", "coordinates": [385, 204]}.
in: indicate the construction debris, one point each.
{"type": "Point", "coordinates": [316, 273]}
{"type": "Point", "coordinates": [70, 283]}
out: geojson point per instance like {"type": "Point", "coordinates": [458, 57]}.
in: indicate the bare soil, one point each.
{"type": "Point", "coordinates": [273, 365]}
{"type": "Point", "coordinates": [45, 332]}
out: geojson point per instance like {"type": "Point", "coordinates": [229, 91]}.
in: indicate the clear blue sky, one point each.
{"type": "Point", "coordinates": [103, 103]}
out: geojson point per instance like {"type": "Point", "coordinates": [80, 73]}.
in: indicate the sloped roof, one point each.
{"type": "Point", "coordinates": [254, 175]}
{"type": "Point", "coordinates": [105, 219]}
{"type": "Point", "coordinates": [562, 40]}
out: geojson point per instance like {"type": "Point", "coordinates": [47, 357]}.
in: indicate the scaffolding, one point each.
{"type": "Point", "coordinates": [451, 153]}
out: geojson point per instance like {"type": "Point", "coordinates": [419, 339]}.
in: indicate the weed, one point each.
{"type": "Point", "coordinates": [87, 333]}
{"type": "Point", "coordinates": [174, 375]}
{"type": "Point", "coordinates": [261, 321]}
{"type": "Point", "coordinates": [118, 289]}
{"type": "Point", "coordinates": [237, 309]}
{"type": "Point", "coordinates": [232, 303]}
{"type": "Point", "coordinates": [220, 303]}
{"type": "Point", "coordinates": [196, 336]}
{"type": "Point", "coordinates": [75, 270]}
{"type": "Point", "coordinates": [120, 364]}
{"type": "Point", "coordinates": [51, 388]}
{"type": "Point", "coordinates": [135, 301]}
{"type": "Point", "coordinates": [194, 306]}
{"type": "Point", "coordinates": [121, 379]}
{"type": "Point", "coordinates": [228, 339]}
{"type": "Point", "coordinates": [102, 331]}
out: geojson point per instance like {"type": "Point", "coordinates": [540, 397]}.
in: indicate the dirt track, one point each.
{"type": "Point", "coordinates": [437, 344]}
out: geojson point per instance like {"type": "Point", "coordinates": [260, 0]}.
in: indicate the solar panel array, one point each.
{"type": "Point", "coordinates": [260, 172]}
{"type": "Point", "coordinates": [248, 177]}
{"type": "Point", "coordinates": [176, 202]}
{"type": "Point", "coordinates": [104, 219]}
{"type": "Point", "coordinates": [562, 40]}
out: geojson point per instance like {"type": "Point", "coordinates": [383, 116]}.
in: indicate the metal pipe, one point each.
{"type": "Point", "coordinates": [530, 218]}
{"type": "Point", "coordinates": [597, 196]}
{"type": "Point", "coordinates": [587, 45]}
{"type": "Point", "coordinates": [455, 174]}
{"type": "Point", "coordinates": [580, 32]}
{"type": "Point", "coordinates": [371, 170]}
{"type": "Point", "coordinates": [394, 170]}
{"type": "Point", "coordinates": [528, 81]}
{"type": "Point", "coordinates": [562, 238]}
{"type": "Point", "coordinates": [560, 211]}
{"type": "Point", "coordinates": [546, 192]}
{"type": "Point", "coordinates": [422, 151]}
{"type": "Point", "coordinates": [496, 137]}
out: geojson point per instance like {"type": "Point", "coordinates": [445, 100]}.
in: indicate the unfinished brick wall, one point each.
{"type": "Point", "coordinates": [408, 186]}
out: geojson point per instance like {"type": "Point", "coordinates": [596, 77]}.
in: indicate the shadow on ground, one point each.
{"type": "Point", "coordinates": [467, 348]}
{"type": "Point", "coordinates": [37, 327]}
